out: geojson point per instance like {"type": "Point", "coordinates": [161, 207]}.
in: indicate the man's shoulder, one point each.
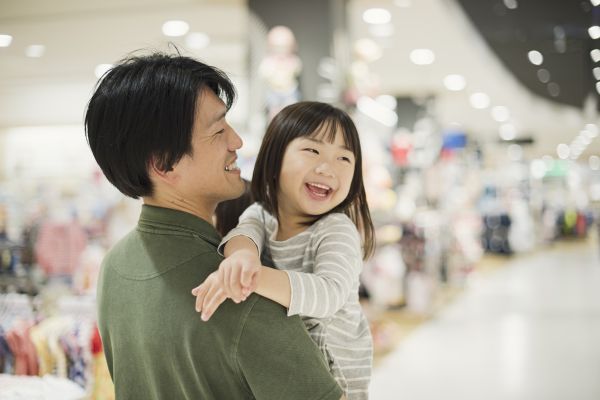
{"type": "Point", "coordinates": [278, 358]}
{"type": "Point", "coordinates": [137, 250]}
{"type": "Point", "coordinates": [263, 315]}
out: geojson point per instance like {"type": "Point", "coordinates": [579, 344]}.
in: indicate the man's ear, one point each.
{"type": "Point", "coordinates": [168, 176]}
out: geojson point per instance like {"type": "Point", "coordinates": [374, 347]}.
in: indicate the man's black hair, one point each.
{"type": "Point", "coordinates": [143, 111]}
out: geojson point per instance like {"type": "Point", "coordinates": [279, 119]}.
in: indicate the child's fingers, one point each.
{"type": "Point", "coordinates": [195, 290]}
{"type": "Point", "coordinates": [212, 301]}
{"type": "Point", "coordinates": [234, 285]}
{"type": "Point", "coordinates": [200, 294]}
{"type": "Point", "coordinates": [225, 277]}
{"type": "Point", "coordinates": [247, 290]}
{"type": "Point", "coordinates": [247, 274]}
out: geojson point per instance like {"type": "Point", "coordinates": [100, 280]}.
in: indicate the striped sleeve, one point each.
{"type": "Point", "coordinates": [337, 265]}
{"type": "Point", "coordinates": [252, 225]}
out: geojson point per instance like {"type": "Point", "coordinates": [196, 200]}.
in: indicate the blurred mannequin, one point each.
{"type": "Point", "coordinates": [280, 70]}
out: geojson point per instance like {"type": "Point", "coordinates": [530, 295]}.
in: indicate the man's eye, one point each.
{"type": "Point", "coordinates": [219, 132]}
{"type": "Point", "coordinates": [311, 150]}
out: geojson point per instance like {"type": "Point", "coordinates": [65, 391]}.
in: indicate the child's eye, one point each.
{"type": "Point", "coordinates": [311, 150]}
{"type": "Point", "coordinates": [347, 159]}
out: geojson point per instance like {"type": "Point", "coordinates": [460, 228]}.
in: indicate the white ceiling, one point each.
{"type": "Point", "coordinates": [78, 35]}
{"type": "Point", "coordinates": [441, 26]}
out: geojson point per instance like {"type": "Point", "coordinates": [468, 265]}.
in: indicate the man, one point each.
{"type": "Point", "coordinates": [156, 126]}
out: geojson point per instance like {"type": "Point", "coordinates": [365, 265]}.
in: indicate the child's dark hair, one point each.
{"type": "Point", "coordinates": [228, 212]}
{"type": "Point", "coordinates": [305, 119]}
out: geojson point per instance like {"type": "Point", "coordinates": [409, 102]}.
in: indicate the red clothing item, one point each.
{"type": "Point", "coordinates": [59, 247]}
{"type": "Point", "coordinates": [96, 341]}
{"type": "Point", "coordinates": [26, 362]}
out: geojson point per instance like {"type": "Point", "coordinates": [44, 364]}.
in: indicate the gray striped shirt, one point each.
{"type": "Point", "coordinates": [323, 264]}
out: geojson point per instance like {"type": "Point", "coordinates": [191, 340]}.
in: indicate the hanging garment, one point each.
{"type": "Point", "coordinates": [59, 247]}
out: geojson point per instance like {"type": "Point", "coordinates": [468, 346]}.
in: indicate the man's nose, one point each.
{"type": "Point", "coordinates": [235, 141]}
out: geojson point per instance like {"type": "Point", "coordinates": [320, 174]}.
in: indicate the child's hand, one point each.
{"type": "Point", "coordinates": [209, 295]}
{"type": "Point", "coordinates": [236, 278]}
{"type": "Point", "coordinates": [240, 273]}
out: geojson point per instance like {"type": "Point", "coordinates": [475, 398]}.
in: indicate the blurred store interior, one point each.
{"type": "Point", "coordinates": [479, 122]}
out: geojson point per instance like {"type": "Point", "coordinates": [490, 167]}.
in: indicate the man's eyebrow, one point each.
{"type": "Point", "coordinates": [319, 141]}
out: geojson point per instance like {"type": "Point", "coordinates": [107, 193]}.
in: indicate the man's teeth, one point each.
{"type": "Point", "coordinates": [232, 167]}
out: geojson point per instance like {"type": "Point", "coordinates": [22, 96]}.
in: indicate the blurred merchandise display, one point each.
{"type": "Point", "coordinates": [51, 341]}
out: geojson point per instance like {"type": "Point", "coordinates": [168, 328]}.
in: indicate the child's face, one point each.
{"type": "Point", "coordinates": [315, 175]}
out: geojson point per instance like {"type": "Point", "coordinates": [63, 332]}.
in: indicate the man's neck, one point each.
{"type": "Point", "coordinates": [179, 203]}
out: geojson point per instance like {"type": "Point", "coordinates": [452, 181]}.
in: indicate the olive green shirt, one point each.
{"type": "Point", "coordinates": [156, 345]}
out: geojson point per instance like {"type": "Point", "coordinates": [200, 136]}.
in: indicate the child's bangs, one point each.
{"type": "Point", "coordinates": [327, 130]}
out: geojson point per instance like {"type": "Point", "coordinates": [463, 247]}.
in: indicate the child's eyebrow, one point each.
{"type": "Point", "coordinates": [319, 141]}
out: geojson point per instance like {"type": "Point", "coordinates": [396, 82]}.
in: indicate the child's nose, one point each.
{"type": "Point", "coordinates": [325, 170]}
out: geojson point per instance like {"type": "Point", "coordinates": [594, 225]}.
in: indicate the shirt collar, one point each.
{"type": "Point", "coordinates": [168, 219]}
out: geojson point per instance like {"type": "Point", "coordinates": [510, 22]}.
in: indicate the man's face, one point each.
{"type": "Point", "coordinates": [210, 175]}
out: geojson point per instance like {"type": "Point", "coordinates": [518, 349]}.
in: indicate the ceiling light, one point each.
{"type": "Point", "coordinates": [455, 82]}
{"type": "Point", "coordinates": [197, 40]}
{"type": "Point", "coordinates": [560, 42]}
{"type": "Point", "coordinates": [500, 113]}
{"type": "Point", "coordinates": [563, 151]}
{"type": "Point", "coordinates": [535, 57]}
{"type": "Point", "coordinates": [511, 4]}
{"type": "Point", "coordinates": [595, 54]}
{"type": "Point", "coordinates": [35, 50]}
{"type": "Point", "coordinates": [592, 129]}
{"type": "Point", "coordinates": [377, 16]}
{"type": "Point", "coordinates": [101, 69]}
{"type": "Point", "coordinates": [598, 87]}
{"type": "Point", "coordinates": [586, 140]}
{"type": "Point", "coordinates": [5, 40]}
{"type": "Point", "coordinates": [424, 56]}
{"type": "Point", "coordinates": [553, 89]}
{"type": "Point", "coordinates": [384, 30]}
{"type": "Point", "coordinates": [594, 163]}
{"type": "Point", "coordinates": [479, 100]}
{"type": "Point", "coordinates": [595, 2]}
{"type": "Point", "coordinates": [508, 131]}
{"type": "Point", "coordinates": [175, 28]}
{"type": "Point", "coordinates": [594, 32]}
{"type": "Point", "coordinates": [543, 75]}
{"type": "Point", "coordinates": [368, 50]}
{"type": "Point", "coordinates": [596, 72]}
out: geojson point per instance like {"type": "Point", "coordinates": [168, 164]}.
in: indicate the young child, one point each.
{"type": "Point", "coordinates": [310, 206]}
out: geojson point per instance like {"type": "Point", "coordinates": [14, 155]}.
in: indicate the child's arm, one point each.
{"type": "Point", "coordinates": [335, 277]}
{"type": "Point", "coordinates": [240, 274]}
{"type": "Point", "coordinates": [338, 263]}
